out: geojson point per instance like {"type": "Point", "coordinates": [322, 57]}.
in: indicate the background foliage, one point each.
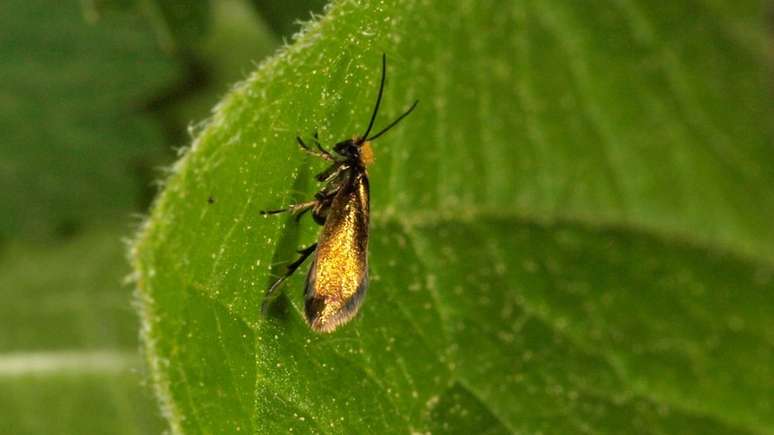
{"type": "Point", "coordinates": [571, 234]}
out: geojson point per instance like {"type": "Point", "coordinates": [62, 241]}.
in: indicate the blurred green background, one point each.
{"type": "Point", "coordinates": [95, 99]}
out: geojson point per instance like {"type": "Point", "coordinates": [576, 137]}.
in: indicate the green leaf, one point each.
{"type": "Point", "coordinates": [73, 288]}
{"type": "Point", "coordinates": [69, 360]}
{"type": "Point", "coordinates": [181, 24]}
{"type": "Point", "coordinates": [570, 234]}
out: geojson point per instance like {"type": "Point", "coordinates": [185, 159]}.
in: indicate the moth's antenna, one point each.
{"type": "Point", "coordinates": [405, 114]}
{"type": "Point", "coordinates": [378, 98]}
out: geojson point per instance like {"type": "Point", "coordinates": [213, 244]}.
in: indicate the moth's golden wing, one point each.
{"type": "Point", "coordinates": [338, 277]}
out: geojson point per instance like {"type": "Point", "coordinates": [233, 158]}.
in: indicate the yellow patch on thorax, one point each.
{"type": "Point", "coordinates": [366, 154]}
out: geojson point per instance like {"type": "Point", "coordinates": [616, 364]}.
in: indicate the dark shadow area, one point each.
{"type": "Point", "coordinates": [195, 77]}
{"type": "Point", "coordinates": [67, 228]}
{"type": "Point", "coordinates": [143, 171]}
{"type": "Point", "coordinates": [284, 17]}
{"type": "Point", "coordinates": [287, 249]}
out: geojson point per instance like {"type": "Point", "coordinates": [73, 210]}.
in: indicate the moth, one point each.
{"type": "Point", "coordinates": [338, 277]}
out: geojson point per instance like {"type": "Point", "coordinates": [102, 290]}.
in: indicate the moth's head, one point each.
{"type": "Point", "coordinates": [356, 148]}
{"type": "Point", "coordinates": [347, 148]}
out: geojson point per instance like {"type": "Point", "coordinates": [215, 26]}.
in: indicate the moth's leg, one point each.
{"type": "Point", "coordinates": [319, 207]}
{"type": "Point", "coordinates": [331, 172]}
{"type": "Point", "coordinates": [320, 211]}
{"type": "Point", "coordinates": [320, 147]}
{"type": "Point", "coordinates": [332, 169]}
{"type": "Point", "coordinates": [324, 201]}
{"type": "Point", "coordinates": [303, 212]}
{"type": "Point", "coordinates": [291, 268]}
{"type": "Point", "coordinates": [297, 209]}
{"type": "Point", "coordinates": [322, 153]}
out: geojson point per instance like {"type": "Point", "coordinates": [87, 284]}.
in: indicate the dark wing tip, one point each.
{"type": "Point", "coordinates": [313, 308]}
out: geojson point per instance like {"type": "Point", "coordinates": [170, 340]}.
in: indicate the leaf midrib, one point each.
{"type": "Point", "coordinates": [601, 224]}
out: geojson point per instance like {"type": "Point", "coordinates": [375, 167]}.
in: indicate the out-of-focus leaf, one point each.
{"type": "Point", "coordinates": [69, 360]}
{"type": "Point", "coordinates": [107, 397]}
{"type": "Point", "coordinates": [66, 296]}
{"type": "Point", "coordinates": [76, 149]}
{"type": "Point", "coordinates": [284, 17]}
{"type": "Point", "coordinates": [238, 41]}
{"type": "Point", "coordinates": [180, 24]}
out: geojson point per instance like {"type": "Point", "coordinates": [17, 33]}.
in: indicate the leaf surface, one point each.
{"type": "Point", "coordinates": [570, 234]}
